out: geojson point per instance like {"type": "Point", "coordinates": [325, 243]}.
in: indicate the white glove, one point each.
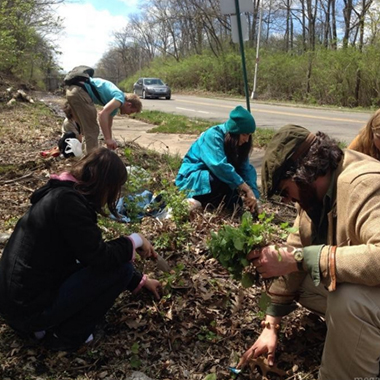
{"type": "Point", "coordinates": [74, 146]}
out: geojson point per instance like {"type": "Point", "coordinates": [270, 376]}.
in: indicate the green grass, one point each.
{"type": "Point", "coordinates": [170, 123]}
{"type": "Point", "coordinates": [262, 137]}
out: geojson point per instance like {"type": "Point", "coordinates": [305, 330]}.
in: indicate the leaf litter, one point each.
{"type": "Point", "coordinates": [205, 320]}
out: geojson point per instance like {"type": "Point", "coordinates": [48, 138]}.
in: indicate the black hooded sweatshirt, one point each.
{"type": "Point", "coordinates": [58, 231]}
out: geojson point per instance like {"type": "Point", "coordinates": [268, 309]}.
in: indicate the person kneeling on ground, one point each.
{"type": "Point", "coordinates": [331, 265]}
{"type": "Point", "coordinates": [216, 167]}
{"type": "Point", "coordinates": [58, 277]}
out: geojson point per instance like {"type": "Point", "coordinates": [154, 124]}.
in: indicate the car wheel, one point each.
{"type": "Point", "coordinates": [144, 94]}
{"type": "Point", "coordinates": [168, 97]}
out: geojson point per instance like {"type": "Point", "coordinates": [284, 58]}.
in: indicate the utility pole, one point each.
{"type": "Point", "coordinates": [241, 44]}
{"type": "Point", "coordinates": [253, 95]}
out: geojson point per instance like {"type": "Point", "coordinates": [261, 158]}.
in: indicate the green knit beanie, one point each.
{"type": "Point", "coordinates": [240, 121]}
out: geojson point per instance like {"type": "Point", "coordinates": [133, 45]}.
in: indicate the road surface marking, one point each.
{"type": "Point", "coordinates": [188, 109]}
{"type": "Point", "coordinates": [275, 112]}
{"type": "Point", "coordinates": [185, 109]}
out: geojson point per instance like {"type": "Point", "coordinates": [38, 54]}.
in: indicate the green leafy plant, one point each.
{"type": "Point", "coordinates": [175, 277]}
{"type": "Point", "coordinates": [230, 245]}
{"type": "Point", "coordinates": [178, 212]}
{"type": "Point", "coordinates": [175, 200]}
{"type": "Point", "coordinates": [206, 334]}
{"type": "Point", "coordinates": [11, 222]}
{"type": "Point", "coordinates": [135, 361]}
{"type": "Point", "coordinates": [210, 376]}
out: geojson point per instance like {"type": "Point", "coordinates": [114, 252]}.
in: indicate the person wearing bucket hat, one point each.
{"type": "Point", "coordinates": [216, 168]}
{"type": "Point", "coordinates": [331, 265]}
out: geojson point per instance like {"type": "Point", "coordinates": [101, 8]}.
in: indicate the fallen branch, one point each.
{"type": "Point", "coordinates": [26, 176]}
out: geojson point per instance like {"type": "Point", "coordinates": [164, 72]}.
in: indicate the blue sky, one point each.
{"type": "Point", "coordinates": [115, 7]}
{"type": "Point", "coordinates": [88, 27]}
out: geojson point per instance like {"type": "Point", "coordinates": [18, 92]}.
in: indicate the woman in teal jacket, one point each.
{"type": "Point", "coordinates": [216, 168]}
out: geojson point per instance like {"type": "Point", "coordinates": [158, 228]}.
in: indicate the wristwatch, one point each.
{"type": "Point", "coordinates": [298, 256]}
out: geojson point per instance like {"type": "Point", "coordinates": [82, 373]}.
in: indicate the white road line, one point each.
{"type": "Point", "coordinates": [188, 109]}
{"type": "Point", "coordinates": [253, 110]}
{"type": "Point", "coordinates": [185, 109]}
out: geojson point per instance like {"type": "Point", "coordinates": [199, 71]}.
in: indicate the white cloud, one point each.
{"type": "Point", "coordinates": [87, 35]}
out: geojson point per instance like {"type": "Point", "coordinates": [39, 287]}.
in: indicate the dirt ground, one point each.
{"type": "Point", "coordinates": [202, 325]}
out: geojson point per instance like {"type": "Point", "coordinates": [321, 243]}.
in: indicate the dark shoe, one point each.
{"type": "Point", "coordinates": [29, 336]}
{"type": "Point", "coordinates": [55, 343]}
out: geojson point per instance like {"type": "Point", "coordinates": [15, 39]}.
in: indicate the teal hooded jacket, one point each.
{"type": "Point", "coordinates": [207, 155]}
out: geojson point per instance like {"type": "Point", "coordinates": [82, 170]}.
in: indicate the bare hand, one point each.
{"type": "Point", "coordinates": [271, 261]}
{"type": "Point", "coordinates": [251, 203]}
{"type": "Point", "coordinates": [259, 208]}
{"type": "Point", "coordinates": [265, 344]}
{"type": "Point", "coordinates": [111, 144]}
{"type": "Point", "coordinates": [146, 250]}
{"type": "Point", "coordinates": [154, 287]}
{"type": "Point", "coordinates": [250, 200]}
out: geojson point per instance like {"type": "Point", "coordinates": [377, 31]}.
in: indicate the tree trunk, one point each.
{"type": "Point", "coordinates": [309, 72]}
{"type": "Point", "coordinates": [333, 21]}
{"type": "Point", "coordinates": [347, 12]}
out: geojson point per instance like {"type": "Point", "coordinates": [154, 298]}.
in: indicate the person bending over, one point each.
{"type": "Point", "coordinates": [331, 265]}
{"type": "Point", "coordinates": [82, 98]}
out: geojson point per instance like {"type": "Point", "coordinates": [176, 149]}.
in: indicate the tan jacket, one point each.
{"type": "Point", "coordinates": [353, 226]}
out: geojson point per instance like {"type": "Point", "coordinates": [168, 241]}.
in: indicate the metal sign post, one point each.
{"type": "Point", "coordinates": [226, 7]}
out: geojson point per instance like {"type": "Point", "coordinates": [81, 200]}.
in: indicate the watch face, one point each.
{"type": "Point", "coordinates": [298, 255]}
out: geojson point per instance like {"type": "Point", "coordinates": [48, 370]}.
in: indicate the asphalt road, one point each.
{"type": "Point", "coordinates": [340, 124]}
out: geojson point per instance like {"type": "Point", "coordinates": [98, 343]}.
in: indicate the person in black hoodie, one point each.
{"type": "Point", "coordinates": [58, 277]}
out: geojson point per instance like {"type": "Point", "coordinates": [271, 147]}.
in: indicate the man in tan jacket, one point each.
{"type": "Point", "coordinates": [332, 264]}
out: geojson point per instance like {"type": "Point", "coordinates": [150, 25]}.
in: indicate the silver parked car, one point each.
{"type": "Point", "coordinates": [152, 88]}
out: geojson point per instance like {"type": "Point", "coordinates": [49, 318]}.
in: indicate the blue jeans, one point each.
{"type": "Point", "coordinates": [81, 302]}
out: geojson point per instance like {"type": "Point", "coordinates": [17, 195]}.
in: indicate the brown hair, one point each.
{"type": "Point", "coordinates": [134, 100]}
{"type": "Point", "coordinates": [364, 141]}
{"type": "Point", "coordinates": [236, 154]}
{"type": "Point", "coordinates": [100, 175]}
{"type": "Point", "coordinates": [323, 156]}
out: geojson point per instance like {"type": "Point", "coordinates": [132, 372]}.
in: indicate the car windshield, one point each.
{"type": "Point", "coordinates": [152, 81]}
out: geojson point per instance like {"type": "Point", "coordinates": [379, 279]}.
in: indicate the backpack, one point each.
{"type": "Point", "coordinates": [81, 74]}
{"type": "Point", "coordinates": [78, 74]}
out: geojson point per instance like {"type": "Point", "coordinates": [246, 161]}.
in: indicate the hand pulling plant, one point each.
{"type": "Point", "coordinates": [230, 245]}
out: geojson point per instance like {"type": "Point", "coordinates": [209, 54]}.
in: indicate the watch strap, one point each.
{"type": "Point", "coordinates": [300, 265]}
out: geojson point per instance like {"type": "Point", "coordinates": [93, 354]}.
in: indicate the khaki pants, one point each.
{"type": "Point", "coordinates": [352, 313]}
{"type": "Point", "coordinates": [85, 114]}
